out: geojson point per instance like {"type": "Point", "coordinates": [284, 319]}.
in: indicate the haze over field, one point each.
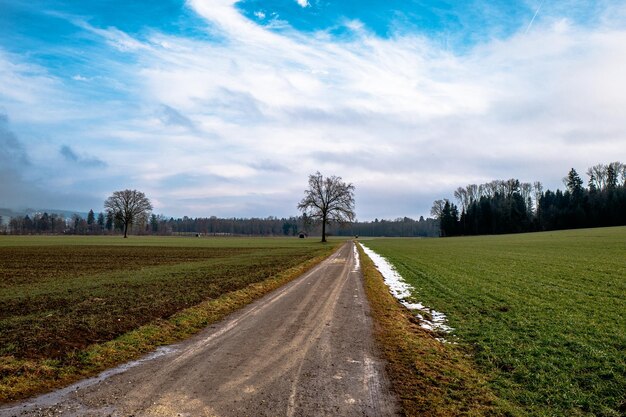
{"type": "Point", "coordinates": [223, 108]}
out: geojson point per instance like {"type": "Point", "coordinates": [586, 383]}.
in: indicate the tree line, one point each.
{"type": "Point", "coordinates": [106, 224]}
{"type": "Point", "coordinates": [512, 206]}
{"type": "Point", "coordinates": [327, 209]}
{"type": "Point", "coordinates": [496, 207]}
{"type": "Point", "coordinates": [399, 227]}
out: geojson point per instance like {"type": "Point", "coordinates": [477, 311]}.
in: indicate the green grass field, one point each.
{"type": "Point", "coordinates": [60, 296]}
{"type": "Point", "coordinates": [542, 314]}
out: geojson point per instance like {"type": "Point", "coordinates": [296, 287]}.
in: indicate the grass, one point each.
{"type": "Point", "coordinates": [542, 314]}
{"type": "Point", "coordinates": [430, 378]}
{"type": "Point", "coordinates": [72, 306]}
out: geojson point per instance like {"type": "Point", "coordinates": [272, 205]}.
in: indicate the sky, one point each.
{"type": "Point", "coordinates": [224, 108]}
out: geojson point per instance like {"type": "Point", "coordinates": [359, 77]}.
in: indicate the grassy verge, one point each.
{"type": "Point", "coordinates": [430, 378]}
{"type": "Point", "coordinates": [132, 311]}
{"type": "Point", "coordinates": [541, 313]}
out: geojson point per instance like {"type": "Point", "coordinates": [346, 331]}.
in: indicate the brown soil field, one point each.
{"type": "Point", "coordinates": [56, 301]}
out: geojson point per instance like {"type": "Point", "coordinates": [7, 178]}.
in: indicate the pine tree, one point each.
{"type": "Point", "coordinates": [101, 222]}
{"type": "Point", "coordinates": [574, 183]}
{"type": "Point", "coordinates": [91, 218]}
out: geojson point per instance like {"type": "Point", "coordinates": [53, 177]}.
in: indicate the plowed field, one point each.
{"type": "Point", "coordinates": [60, 298]}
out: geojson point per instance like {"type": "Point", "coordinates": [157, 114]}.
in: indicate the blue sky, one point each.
{"type": "Point", "coordinates": [224, 108]}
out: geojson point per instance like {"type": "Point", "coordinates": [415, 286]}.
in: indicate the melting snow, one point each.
{"type": "Point", "coordinates": [357, 260]}
{"type": "Point", "coordinates": [429, 319]}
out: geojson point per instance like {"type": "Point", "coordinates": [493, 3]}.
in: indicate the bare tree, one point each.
{"type": "Point", "coordinates": [482, 190]}
{"type": "Point", "coordinates": [472, 193]}
{"type": "Point", "coordinates": [538, 192]}
{"type": "Point", "coordinates": [328, 200]}
{"type": "Point", "coordinates": [622, 172]}
{"type": "Point", "coordinates": [129, 206]}
{"type": "Point", "coordinates": [511, 186]}
{"type": "Point", "coordinates": [461, 196]}
{"type": "Point", "coordinates": [597, 176]}
{"type": "Point", "coordinates": [491, 188]}
{"type": "Point", "coordinates": [437, 209]}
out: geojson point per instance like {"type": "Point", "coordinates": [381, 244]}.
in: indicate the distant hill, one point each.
{"type": "Point", "coordinates": [7, 213]}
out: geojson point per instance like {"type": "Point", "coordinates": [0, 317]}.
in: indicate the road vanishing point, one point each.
{"type": "Point", "coordinates": [305, 349]}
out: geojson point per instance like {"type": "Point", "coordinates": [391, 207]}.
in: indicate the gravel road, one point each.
{"type": "Point", "coordinates": [304, 350]}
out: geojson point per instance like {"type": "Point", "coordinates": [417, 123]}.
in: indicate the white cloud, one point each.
{"type": "Point", "coordinates": [23, 82]}
{"type": "Point", "coordinates": [434, 120]}
{"type": "Point", "coordinates": [398, 117]}
{"type": "Point", "coordinates": [303, 3]}
{"type": "Point", "coordinates": [114, 37]}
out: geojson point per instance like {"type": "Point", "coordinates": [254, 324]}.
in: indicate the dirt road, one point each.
{"type": "Point", "coordinates": [303, 350]}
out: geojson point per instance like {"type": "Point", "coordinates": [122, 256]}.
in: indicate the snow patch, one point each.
{"type": "Point", "coordinates": [429, 319]}
{"type": "Point", "coordinates": [357, 259]}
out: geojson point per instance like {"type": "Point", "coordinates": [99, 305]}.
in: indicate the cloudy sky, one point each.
{"type": "Point", "coordinates": [217, 107]}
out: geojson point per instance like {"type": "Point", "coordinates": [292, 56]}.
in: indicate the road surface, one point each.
{"type": "Point", "coordinates": [304, 350]}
